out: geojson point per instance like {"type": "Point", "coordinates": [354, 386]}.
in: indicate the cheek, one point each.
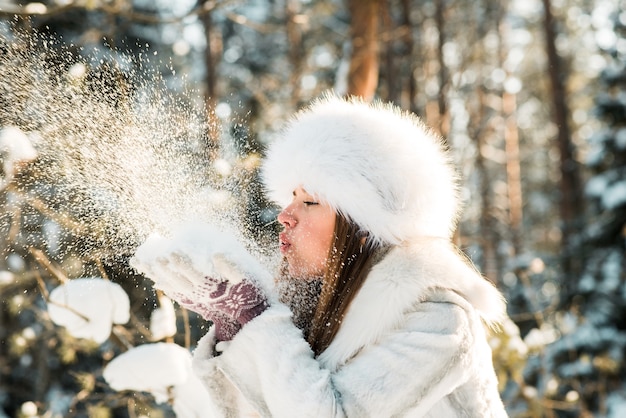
{"type": "Point", "coordinates": [328, 232]}
{"type": "Point", "coordinates": [312, 251]}
{"type": "Point", "coordinates": [322, 243]}
{"type": "Point", "coordinates": [312, 242]}
{"type": "Point", "coordinates": [325, 242]}
{"type": "Point", "coordinates": [318, 244]}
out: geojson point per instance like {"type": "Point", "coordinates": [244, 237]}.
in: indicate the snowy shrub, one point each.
{"type": "Point", "coordinates": [89, 307]}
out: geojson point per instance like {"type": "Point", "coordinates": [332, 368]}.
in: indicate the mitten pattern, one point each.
{"type": "Point", "coordinates": [203, 279]}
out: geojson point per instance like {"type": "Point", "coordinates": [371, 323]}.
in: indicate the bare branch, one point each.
{"type": "Point", "coordinates": [41, 258]}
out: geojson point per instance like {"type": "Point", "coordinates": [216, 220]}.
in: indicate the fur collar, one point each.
{"type": "Point", "coordinates": [404, 277]}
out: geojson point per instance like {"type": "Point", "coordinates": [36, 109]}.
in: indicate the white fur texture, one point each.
{"type": "Point", "coordinates": [406, 276]}
{"type": "Point", "coordinates": [378, 165]}
{"type": "Point", "coordinates": [412, 344]}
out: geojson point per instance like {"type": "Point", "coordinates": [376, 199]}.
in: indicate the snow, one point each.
{"type": "Point", "coordinates": [568, 323]}
{"type": "Point", "coordinates": [163, 319]}
{"type": "Point", "coordinates": [191, 399]}
{"type": "Point", "coordinates": [6, 277]}
{"type": "Point", "coordinates": [60, 401]}
{"type": "Point", "coordinates": [596, 186]}
{"type": "Point", "coordinates": [88, 307]}
{"type": "Point", "coordinates": [152, 368]}
{"type": "Point", "coordinates": [620, 138]}
{"type": "Point", "coordinates": [222, 167]}
{"type": "Point", "coordinates": [164, 371]}
{"type": "Point", "coordinates": [515, 344]}
{"type": "Point", "coordinates": [611, 273]}
{"type": "Point", "coordinates": [597, 147]}
{"type": "Point", "coordinates": [29, 409]}
{"type": "Point", "coordinates": [538, 338]}
{"type": "Point", "coordinates": [15, 148]}
{"type": "Point", "coordinates": [579, 367]}
{"type": "Point", "coordinates": [609, 188]}
{"type": "Point", "coordinates": [595, 155]}
{"type": "Point", "coordinates": [615, 195]}
{"type": "Point", "coordinates": [15, 263]}
{"type": "Point", "coordinates": [52, 231]}
{"type": "Point", "coordinates": [190, 251]}
{"type": "Point", "coordinates": [617, 406]}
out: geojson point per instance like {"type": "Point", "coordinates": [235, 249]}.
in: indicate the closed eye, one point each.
{"type": "Point", "coordinates": [310, 203]}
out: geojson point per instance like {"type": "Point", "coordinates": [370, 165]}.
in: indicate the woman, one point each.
{"type": "Point", "coordinates": [377, 313]}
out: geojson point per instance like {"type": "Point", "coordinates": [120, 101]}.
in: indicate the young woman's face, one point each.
{"type": "Point", "coordinates": [308, 234]}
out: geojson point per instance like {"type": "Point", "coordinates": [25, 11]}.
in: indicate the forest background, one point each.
{"type": "Point", "coordinates": [530, 96]}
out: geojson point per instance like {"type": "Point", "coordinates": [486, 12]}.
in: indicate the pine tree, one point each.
{"type": "Point", "coordinates": [589, 360]}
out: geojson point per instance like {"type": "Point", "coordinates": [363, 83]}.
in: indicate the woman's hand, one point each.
{"type": "Point", "coordinates": [210, 285]}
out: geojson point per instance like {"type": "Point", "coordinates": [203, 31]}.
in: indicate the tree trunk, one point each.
{"type": "Point", "coordinates": [213, 50]}
{"type": "Point", "coordinates": [443, 121]}
{"type": "Point", "coordinates": [296, 51]}
{"type": "Point", "coordinates": [513, 169]}
{"type": "Point", "coordinates": [364, 63]}
{"type": "Point", "coordinates": [409, 46]}
{"type": "Point", "coordinates": [488, 239]}
{"type": "Point", "coordinates": [392, 75]}
{"type": "Point", "coordinates": [571, 202]}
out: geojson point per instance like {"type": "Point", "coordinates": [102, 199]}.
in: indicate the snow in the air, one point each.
{"type": "Point", "coordinates": [194, 247]}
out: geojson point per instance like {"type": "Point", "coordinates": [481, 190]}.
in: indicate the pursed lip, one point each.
{"type": "Point", "coordinates": [283, 242]}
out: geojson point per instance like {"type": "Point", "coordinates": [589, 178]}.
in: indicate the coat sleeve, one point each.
{"type": "Point", "coordinates": [272, 366]}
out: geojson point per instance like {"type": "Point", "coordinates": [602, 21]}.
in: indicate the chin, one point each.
{"type": "Point", "coordinates": [304, 273]}
{"type": "Point", "coordinates": [295, 272]}
{"type": "Point", "coordinates": [298, 272]}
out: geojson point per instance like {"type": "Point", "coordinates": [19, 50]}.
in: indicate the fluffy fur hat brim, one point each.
{"type": "Point", "coordinates": [377, 165]}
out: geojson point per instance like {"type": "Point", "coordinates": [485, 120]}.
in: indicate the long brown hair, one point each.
{"type": "Point", "coordinates": [349, 262]}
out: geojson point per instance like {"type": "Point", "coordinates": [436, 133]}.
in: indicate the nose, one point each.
{"type": "Point", "coordinates": [286, 218]}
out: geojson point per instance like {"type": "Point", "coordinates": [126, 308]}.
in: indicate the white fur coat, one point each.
{"type": "Point", "coordinates": [412, 344]}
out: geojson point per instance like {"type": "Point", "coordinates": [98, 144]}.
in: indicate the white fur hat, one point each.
{"type": "Point", "coordinates": [377, 165]}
